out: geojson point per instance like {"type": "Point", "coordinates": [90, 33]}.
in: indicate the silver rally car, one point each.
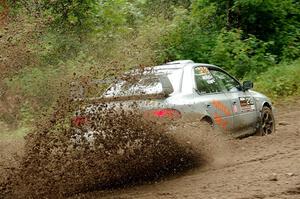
{"type": "Point", "coordinates": [183, 87]}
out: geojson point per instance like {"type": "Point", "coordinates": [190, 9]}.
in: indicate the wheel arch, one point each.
{"type": "Point", "coordinates": [207, 119]}
{"type": "Point", "coordinates": [267, 104]}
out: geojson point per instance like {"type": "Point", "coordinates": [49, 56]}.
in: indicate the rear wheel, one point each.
{"type": "Point", "coordinates": [267, 123]}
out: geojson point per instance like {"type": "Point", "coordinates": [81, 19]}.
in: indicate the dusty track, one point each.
{"type": "Point", "coordinates": [255, 167]}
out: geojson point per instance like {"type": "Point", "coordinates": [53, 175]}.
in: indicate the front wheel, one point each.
{"type": "Point", "coordinates": [267, 123]}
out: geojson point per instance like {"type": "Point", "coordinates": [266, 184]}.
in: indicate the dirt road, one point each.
{"type": "Point", "coordinates": [255, 167]}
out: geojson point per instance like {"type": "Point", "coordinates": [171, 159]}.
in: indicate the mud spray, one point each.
{"type": "Point", "coordinates": [125, 150]}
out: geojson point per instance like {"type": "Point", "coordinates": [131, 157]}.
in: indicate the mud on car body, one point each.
{"type": "Point", "coordinates": [184, 89]}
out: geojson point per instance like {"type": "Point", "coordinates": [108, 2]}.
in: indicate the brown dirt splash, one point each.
{"type": "Point", "coordinates": [127, 150]}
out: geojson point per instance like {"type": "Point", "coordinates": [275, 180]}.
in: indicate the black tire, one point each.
{"type": "Point", "coordinates": [267, 122]}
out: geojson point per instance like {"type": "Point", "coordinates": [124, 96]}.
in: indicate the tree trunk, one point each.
{"type": "Point", "coordinates": [229, 5]}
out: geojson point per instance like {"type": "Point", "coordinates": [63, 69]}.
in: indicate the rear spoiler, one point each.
{"type": "Point", "coordinates": [123, 98]}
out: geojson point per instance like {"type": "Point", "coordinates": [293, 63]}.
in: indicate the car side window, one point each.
{"type": "Point", "coordinates": [225, 81]}
{"type": "Point", "coordinates": [205, 82]}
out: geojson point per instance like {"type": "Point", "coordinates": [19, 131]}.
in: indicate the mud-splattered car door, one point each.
{"type": "Point", "coordinates": [209, 93]}
{"type": "Point", "coordinates": [242, 103]}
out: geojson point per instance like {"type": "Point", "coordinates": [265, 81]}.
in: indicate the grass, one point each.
{"type": "Point", "coordinates": [280, 82]}
{"type": "Point", "coordinates": [19, 133]}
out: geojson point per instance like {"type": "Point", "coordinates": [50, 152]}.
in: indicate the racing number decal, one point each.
{"type": "Point", "coordinates": [247, 104]}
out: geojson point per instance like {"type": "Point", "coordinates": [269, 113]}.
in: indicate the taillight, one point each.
{"type": "Point", "coordinates": [79, 121]}
{"type": "Point", "coordinates": [163, 113]}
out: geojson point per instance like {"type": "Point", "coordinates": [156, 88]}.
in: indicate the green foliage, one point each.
{"type": "Point", "coordinates": [101, 17]}
{"type": "Point", "coordinates": [161, 8]}
{"type": "Point", "coordinates": [195, 35]}
{"type": "Point", "coordinates": [191, 36]}
{"type": "Point", "coordinates": [37, 84]}
{"type": "Point", "coordinates": [40, 86]}
{"type": "Point", "coordinates": [241, 56]}
{"type": "Point", "coordinates": [280, 81]}
{"type": "Point", "coordinates": [291, 46]}
{"type": "Point", "coordinates": [274, 21]}
{"type": "Point", "coordinates": [100, 38]}
{"type": "Point", "coordinates": [78, 14]}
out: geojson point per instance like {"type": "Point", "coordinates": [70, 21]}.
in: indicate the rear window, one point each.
{"type": "Point", "coordinates": [146, 83]}
{"type": "Point", "coordinates": [135, 86]}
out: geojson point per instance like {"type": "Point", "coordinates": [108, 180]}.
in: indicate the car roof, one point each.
{"type": "Point", "coordinates": [180, 64]}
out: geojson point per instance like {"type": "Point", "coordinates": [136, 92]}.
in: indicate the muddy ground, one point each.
{"type": "Point", "coordinates": [255, 167]}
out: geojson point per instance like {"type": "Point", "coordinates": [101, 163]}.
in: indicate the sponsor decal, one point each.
{"type": "Point", "coordinates": [220, 121]}
{"type": "Point", "coordinates": [221, 106]}
{"type": "Point", "coordinates": [247, 104]}
{"type": "Point", "coordinates": [202, 70]}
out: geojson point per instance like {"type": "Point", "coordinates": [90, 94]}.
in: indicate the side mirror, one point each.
{"type": "Point", "coordinates": [247, 85]}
